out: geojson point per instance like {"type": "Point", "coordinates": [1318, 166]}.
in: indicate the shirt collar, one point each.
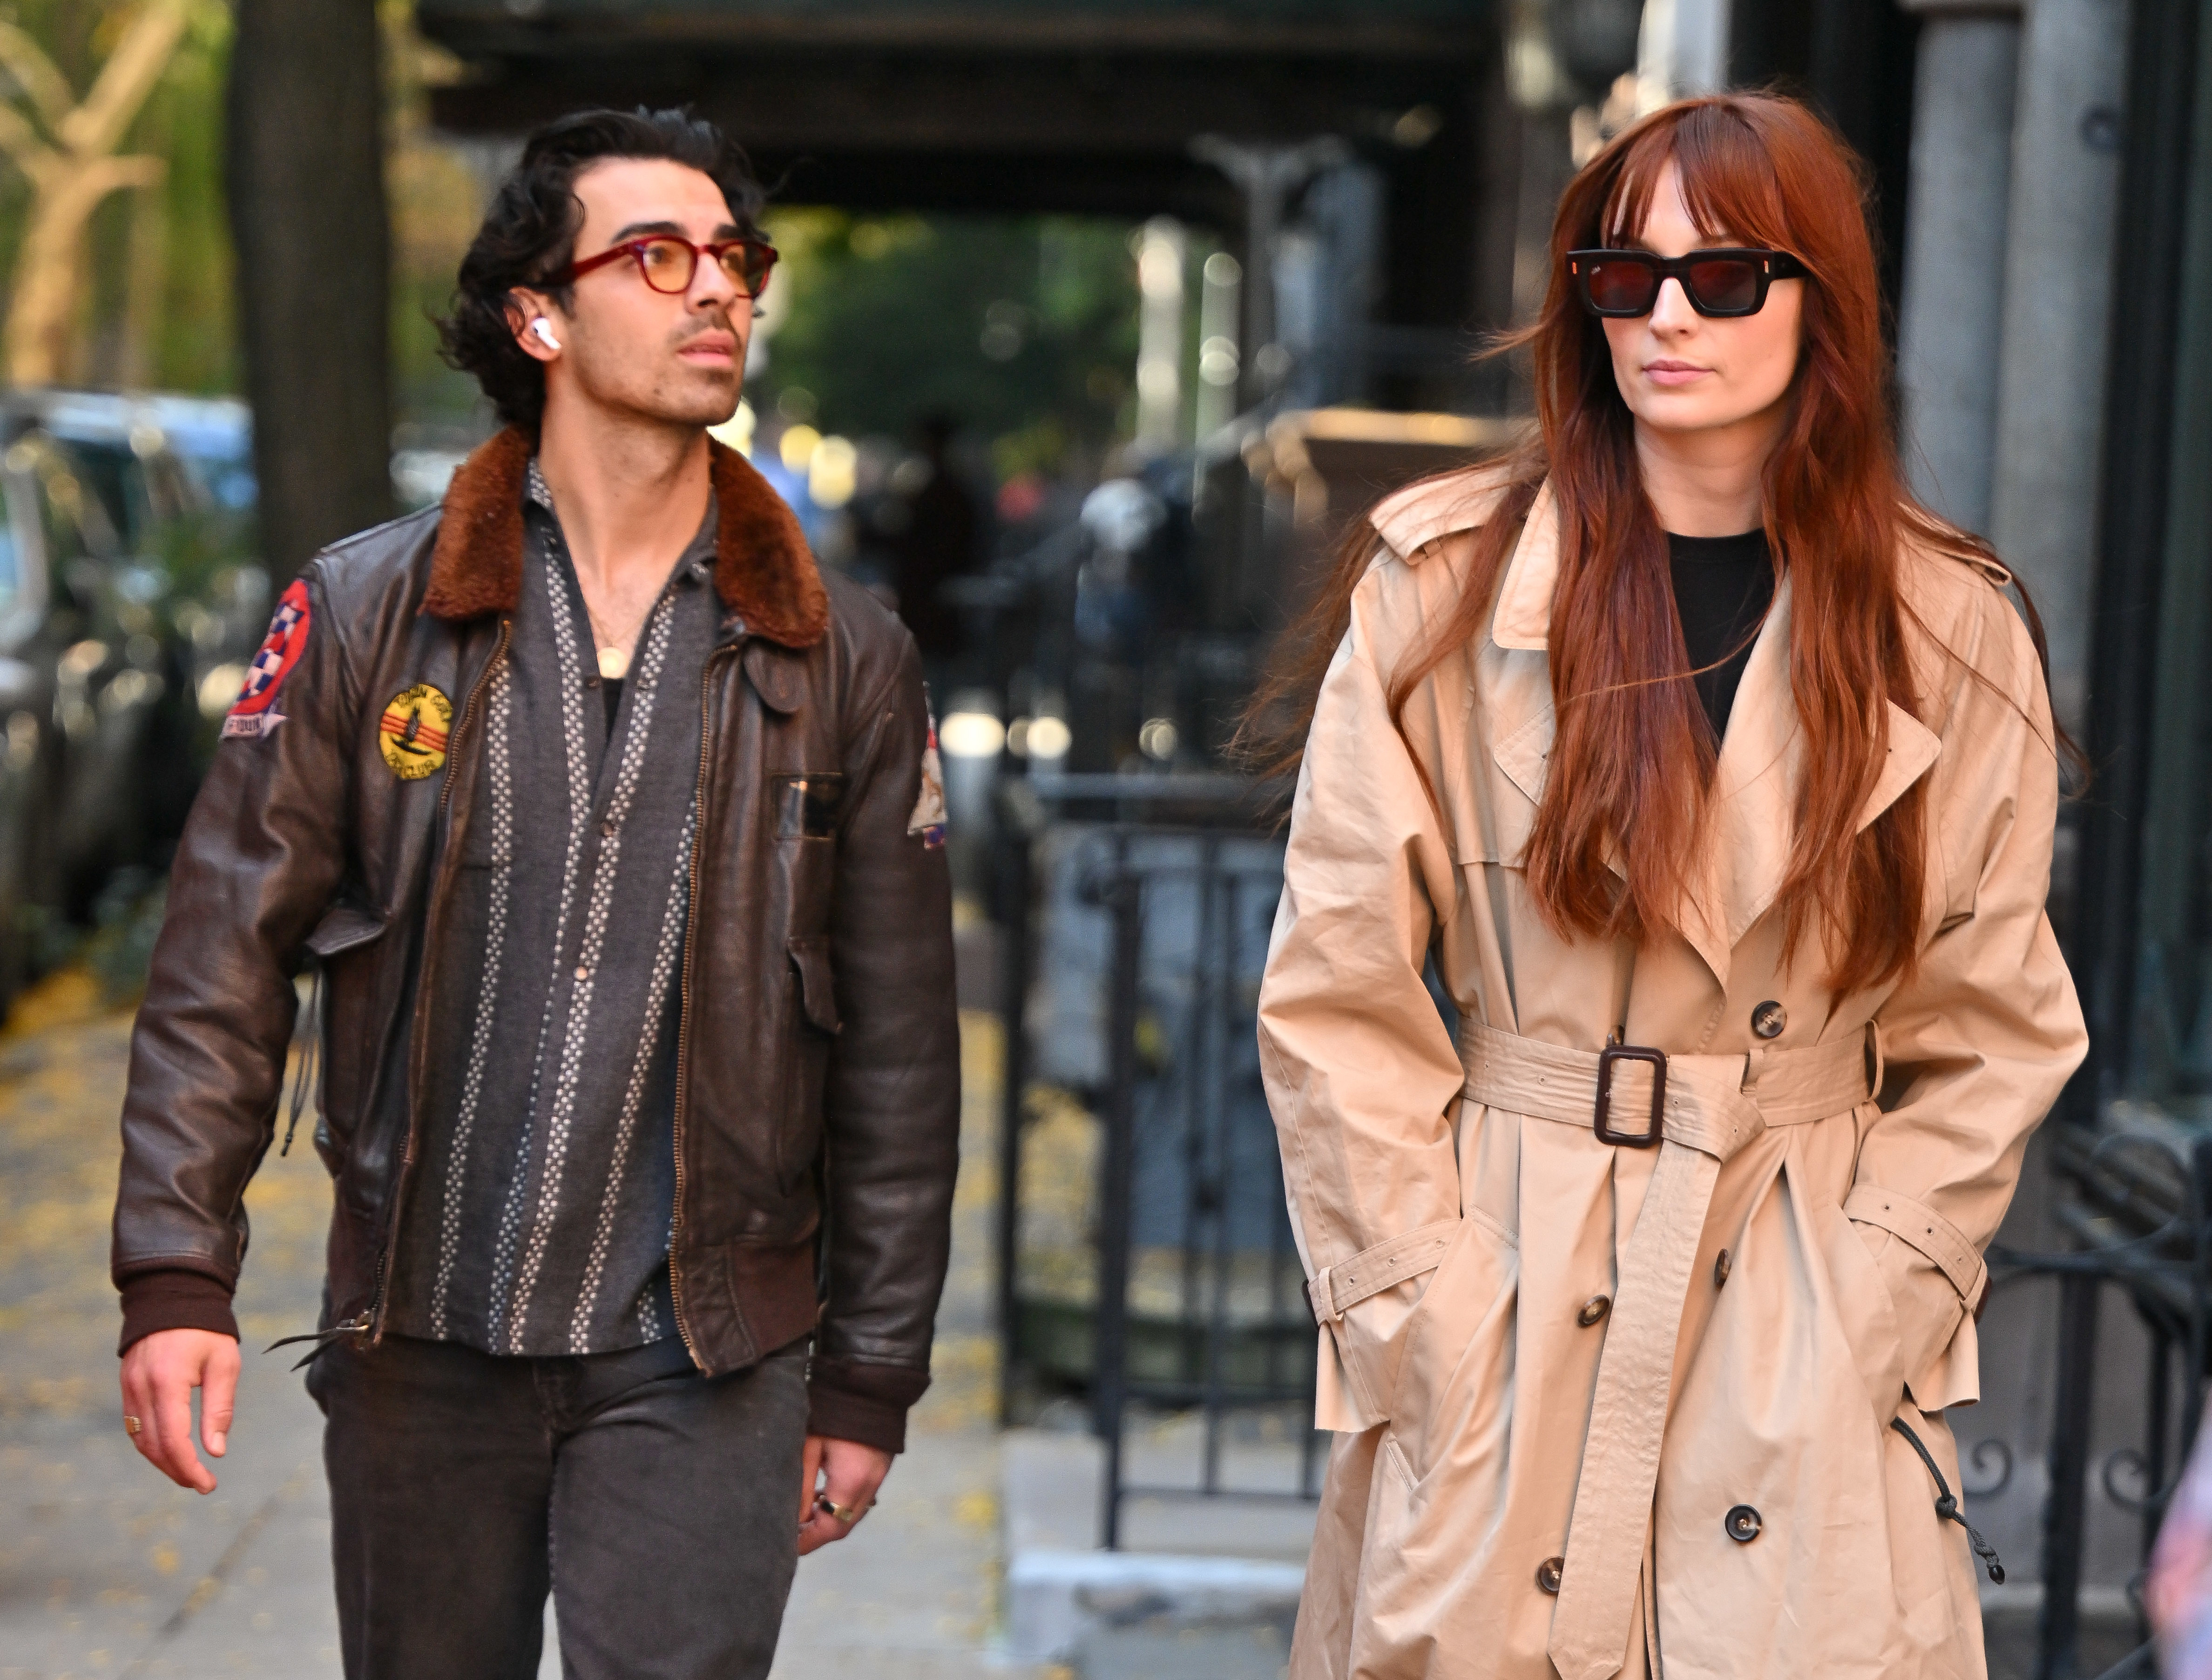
{"type": "Point", "coordinates": [698, 565]}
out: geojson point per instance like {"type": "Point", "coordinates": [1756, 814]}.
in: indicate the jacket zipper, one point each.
{"type": "Point", "coordinates": [375, 1316]}
{"type": "Point", "coordinates": [683, 996]}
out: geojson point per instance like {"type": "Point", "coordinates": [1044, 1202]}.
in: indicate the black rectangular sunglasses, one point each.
{"type": "Point", "coordinates": [1730, 280]}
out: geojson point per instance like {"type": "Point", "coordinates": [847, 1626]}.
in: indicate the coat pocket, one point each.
{"type": "Point", "coordinates": [805, 1049]}
{"type": "Point", "coordinates": [1457, 1365]}
{"type": "Point", "coordinates": [1862, 1307]}
{"type": "Point", "coordinates": [342, 1046]}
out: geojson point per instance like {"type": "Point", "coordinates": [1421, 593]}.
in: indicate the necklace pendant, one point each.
{"type": "Point", "coordinates": [613, 663]}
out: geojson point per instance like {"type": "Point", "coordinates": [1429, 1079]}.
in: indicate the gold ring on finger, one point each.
{"type": "Point", "coordinates": [847, 1514]}
{"type": "Point", "coordinates": [131, 1425]}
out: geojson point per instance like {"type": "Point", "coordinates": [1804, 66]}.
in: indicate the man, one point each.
{"type": "Point", "coordinates": [614, 828]}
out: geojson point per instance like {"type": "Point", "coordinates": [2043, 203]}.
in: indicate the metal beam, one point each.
{"type": "Point", "coordinates": [1405, 28]}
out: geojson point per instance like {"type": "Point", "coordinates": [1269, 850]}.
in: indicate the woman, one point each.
{"type": "Point", "coordinates": [1687, 731]}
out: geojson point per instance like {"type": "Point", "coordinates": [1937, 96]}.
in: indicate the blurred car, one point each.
{"type": "Point", "coordinates": [129, 604]}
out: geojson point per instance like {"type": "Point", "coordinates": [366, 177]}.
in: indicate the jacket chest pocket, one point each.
{"type": "Point", "coordinates": [811, 1021]}
{"type": "Point", "coordinates": [806, 810]}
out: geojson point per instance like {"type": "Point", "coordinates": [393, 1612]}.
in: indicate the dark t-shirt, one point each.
{"type": "Point", "coordinates": [1722, 587]}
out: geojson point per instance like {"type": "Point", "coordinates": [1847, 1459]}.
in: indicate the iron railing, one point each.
{"type": "Point", "coordinates": [2139, 1213]}
{"type": "Point", "coordinates": [1133, 958]}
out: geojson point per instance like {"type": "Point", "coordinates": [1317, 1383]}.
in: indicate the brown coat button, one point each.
{"type": "Point", "coordinates": [1721, 1265]}
{"type": "Point", "coordinates": [1742, 1524]}
{"type": "Point", "coordinates": [1768, 1019]}
{"type": "Point", "coordinates": [1548, 1573]}
{"type": "Point", "coordinates": [1593, 1309]}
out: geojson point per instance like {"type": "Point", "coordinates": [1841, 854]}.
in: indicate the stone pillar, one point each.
{"type": "Point", "coordinates": [1951, 321]}
{"type": "Point", "coordinates": [1682, 49]}
{"type": "Point", "coordinates": [2064, 194]}
{"type": "Point", "coordinates": [2059, 273]}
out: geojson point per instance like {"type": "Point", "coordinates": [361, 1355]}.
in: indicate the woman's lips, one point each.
{"type": "Point", "coordinates": [1674, 372]}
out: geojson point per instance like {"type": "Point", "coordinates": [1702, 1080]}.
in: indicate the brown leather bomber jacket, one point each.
{"type": "Point", "coordinates": [817, 1080]}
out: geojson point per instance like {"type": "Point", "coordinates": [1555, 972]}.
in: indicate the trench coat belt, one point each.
{"type": "Point", "coordinates": [1714, 1107]}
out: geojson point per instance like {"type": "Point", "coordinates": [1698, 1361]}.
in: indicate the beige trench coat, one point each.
{"type": "Point", "coordinates": [1796, 1265]}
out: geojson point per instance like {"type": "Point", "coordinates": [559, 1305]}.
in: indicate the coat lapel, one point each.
{"type": "Point", "coordinates": [1521, 719]}
{"type": "Point", "coordinates": [1761, 766]}
{"type": "Point", "coordinates": [1754, 802]}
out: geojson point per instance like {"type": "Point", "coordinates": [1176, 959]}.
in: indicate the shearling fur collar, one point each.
{"type": "Point", "coordinates": [763, 571]}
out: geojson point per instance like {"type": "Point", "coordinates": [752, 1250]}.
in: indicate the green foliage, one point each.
{"type": "Point", "coordinates": [436, 202]}
{"type": "Point", "coordinates": [198, 339]}
{"type": "Point", "coordinates": [1026, 330]}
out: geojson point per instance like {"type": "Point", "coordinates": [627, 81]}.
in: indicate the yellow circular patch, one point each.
{"type": "Point", "coordinates": [413, 731]}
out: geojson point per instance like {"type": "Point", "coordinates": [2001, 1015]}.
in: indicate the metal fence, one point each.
{"type": "Point", "coordinates": [2138, 1209]}
{"type": "Point", "coordinates": [1146, 1256]}
{"type": "Point", "coordinates": [1159, 1271]}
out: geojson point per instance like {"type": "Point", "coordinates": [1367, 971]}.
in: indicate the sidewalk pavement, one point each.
{"type": "Point", "coordinates": [106, 1570]}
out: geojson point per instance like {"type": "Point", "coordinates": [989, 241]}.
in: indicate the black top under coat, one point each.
{"type": "Point", "coordinates": [1722, 587]}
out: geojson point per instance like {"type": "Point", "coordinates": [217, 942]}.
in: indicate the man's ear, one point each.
{"type": "Point", "coordinates": [524, 310]}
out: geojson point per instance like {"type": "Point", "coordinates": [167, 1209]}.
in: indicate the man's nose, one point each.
{"type": "Point", "coordinates": [711, 286]}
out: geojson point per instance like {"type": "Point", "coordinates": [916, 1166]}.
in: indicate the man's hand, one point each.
{"type": "Point", "coordinates": [160, 1373]}
{"type": "Point", "coordinates": [844, 1474]}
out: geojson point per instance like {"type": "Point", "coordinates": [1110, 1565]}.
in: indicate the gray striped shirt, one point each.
{"type": "Point", "coordinates": [538, 1222]}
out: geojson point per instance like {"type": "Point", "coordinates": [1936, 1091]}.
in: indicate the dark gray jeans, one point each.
{"type": "Point", "coordinates": [660, 1508]}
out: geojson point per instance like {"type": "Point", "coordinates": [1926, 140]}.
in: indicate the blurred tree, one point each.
{"type": "Point", "coordinates": [68, 154]}
{"type": "Point", "coordinates": [183, 336]}
{"type": "Point", "coordinates": [312, 232]}
{"type": "Point", "coordinates": [152, 306]}
{"type": "Point", "coordinates": [1024, 330]}
{"type": "Point", "coordinates": [437, 190]}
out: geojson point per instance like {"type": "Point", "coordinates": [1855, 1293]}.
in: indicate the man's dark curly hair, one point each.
{"type": "Point", "coordinates": [530, 232]}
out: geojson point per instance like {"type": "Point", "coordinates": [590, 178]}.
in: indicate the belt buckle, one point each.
{"type": "Point", "coordinates": [1607, 1059]}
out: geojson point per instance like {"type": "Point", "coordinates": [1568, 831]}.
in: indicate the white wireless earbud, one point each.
{"type": "Point", "coordinates": [545, 333]}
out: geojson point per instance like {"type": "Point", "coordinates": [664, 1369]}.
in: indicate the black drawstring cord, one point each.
{"type": "Point", "coordinates": [310, 1059]}
{"type": "Point", "coordinates": [1946, 1505]}
{"type": "Point", "coordinates": [357, 1325]}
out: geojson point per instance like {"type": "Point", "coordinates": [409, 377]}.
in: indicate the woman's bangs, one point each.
{"type": "Point", "coordinates": [1628, 204]}
{"type": "Point", "coordinates": [1728, 181]}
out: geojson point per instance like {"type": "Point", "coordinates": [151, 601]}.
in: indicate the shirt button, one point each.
{"type": "Point", "coordinates": [1768, 1019]}
{"type": "Point", "coordinates": [1593, 1309]}
{"type": "Point", "coordinates": [1548, 1573]}
{"type": "Point", "coordinates": [1721, 1266]}
{"type": "Point", "coordinates": [1742, 1524]}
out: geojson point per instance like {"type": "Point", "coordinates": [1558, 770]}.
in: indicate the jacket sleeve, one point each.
{"type": "Point", "coordinates": [261, 855]}
{"type": "Point", "coordinates": [1361, 1075]}
{"type": "Point", "coordinates": [1979, 1042]}
{"type": "Point", "coordinates": [892, 1099]}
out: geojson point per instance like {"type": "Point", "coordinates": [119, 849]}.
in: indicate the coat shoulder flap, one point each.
{"type": "Point", "coordinates": [1413, 520]}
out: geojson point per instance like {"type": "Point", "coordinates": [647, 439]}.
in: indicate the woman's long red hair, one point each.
{"type": "Point", "coordinates": [1631, 765]}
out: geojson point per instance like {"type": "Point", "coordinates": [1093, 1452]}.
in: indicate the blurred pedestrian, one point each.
{"type": "Point", "coordinates": [1718, 779]}
{"type": "Point", "coordinates": [2178, 1595]}
{"type": "Point", "coordinates": [939, 537]}
{"type": "Point", "coordinates": [615, 829]}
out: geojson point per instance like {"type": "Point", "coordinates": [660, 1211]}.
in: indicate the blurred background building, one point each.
{"type": "Point", "coordinates": [1096, 324]}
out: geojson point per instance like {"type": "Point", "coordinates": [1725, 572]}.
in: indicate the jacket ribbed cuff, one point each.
{"type": "Point", "coordinates": [174, 1300]}
{"type": "Point", "coordinates": [851, 1400]}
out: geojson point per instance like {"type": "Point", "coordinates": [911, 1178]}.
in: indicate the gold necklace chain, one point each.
{"type": "Point", "coordinates": [613, 654]}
